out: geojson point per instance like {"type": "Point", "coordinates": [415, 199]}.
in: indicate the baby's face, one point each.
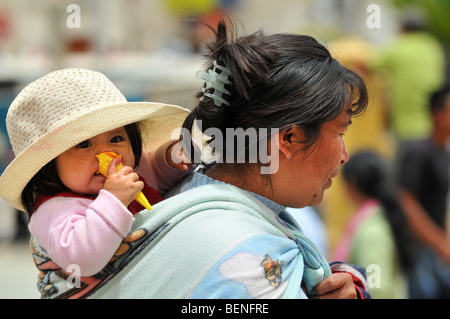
{"type": "Point", "coordinates": [77, 166]}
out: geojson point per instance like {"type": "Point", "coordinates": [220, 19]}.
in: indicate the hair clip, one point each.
{"type": "Point", "coordinates": [217, 82]}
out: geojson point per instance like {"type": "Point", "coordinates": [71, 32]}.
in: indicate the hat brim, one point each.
{"type": "Point", "coordinates": [159, 123]}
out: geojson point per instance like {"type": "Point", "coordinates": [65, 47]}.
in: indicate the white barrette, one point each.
{"type": "Point", "coordinates": [217, 82]}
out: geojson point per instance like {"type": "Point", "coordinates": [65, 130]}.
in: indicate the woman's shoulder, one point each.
{"type": "Point", "coordinates": [212, 209]}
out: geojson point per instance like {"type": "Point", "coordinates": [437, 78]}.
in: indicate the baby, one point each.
{"type": "Point", "coordinates": [57, 126]}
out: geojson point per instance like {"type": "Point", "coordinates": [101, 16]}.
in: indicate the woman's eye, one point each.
{"type": "Point", "coordinates": [84, 144]}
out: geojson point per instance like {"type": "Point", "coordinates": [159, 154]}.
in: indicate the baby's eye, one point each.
{"type": "Point", "coordinates": [117, 139]}
{"type": "Point", "coordinates": [84, 144]}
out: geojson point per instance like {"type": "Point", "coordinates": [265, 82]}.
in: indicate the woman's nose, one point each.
{"type": "Point", "coordinates": [345, 155]}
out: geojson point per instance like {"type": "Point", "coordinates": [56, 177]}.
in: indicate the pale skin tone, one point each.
{"type": "Point", "coordinates": [301, 180]}
{"type": "Point", "coordinates": [77, 167]}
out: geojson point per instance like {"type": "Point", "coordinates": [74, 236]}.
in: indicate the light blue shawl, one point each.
{"type": "Point", "coordinates": [215, 240]}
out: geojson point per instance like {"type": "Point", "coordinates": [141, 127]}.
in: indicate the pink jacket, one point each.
{"type": "Point", "coordinates": [86, 232]}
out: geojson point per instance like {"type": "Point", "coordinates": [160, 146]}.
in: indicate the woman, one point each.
{"type": "Point", "coordinates": [226, 233]}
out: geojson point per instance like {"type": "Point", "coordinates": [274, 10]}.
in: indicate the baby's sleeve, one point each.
{"type": "Point", "coordinates": [81, 231]}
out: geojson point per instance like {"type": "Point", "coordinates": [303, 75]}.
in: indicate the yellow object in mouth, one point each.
{"type": "Point", "coordinates": [104, 159]}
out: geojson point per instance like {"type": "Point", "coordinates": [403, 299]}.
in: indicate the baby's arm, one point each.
{"type": "Point", "coordinates": [159, 171]}
{"type": "Point", "coordinates": [81, 231]}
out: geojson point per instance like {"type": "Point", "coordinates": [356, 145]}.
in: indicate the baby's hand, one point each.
{"type": "Point", "coordinates": [177, 158]}
{"type": "Point", "coordinates": [123, 183]}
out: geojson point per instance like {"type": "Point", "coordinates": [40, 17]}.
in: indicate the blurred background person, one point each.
{"type": "Point", "coordinates": [377, 233]}
{"type": "Point", "coordinates": [414, 65]}
{"type": "Point", "coordinates": [423, 177]}
{"type": "Point", "coordinates": [367, 132]}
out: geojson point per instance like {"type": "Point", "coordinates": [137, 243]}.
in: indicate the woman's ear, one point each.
{"type": "Point", "coordinates": [288, 140]}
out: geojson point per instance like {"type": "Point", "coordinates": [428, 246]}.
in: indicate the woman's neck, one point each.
{"type": "Point", "coordinates": [245, 178]}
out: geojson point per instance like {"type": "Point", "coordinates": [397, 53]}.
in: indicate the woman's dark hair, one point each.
{"type": "Point", "coordinates": [370, 174]}
{"type": "Point", "coordinates": [278, 81]}
{"type": "Point", "coordinates": [47, 181]}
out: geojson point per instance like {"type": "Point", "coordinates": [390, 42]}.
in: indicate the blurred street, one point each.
{"type": "Point", "coordinates": [17, 272]}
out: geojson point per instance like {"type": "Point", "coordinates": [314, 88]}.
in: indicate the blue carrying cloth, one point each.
{"type": "Point", "coordinates": [215, 241]}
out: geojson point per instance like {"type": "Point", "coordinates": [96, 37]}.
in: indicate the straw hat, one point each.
{"type": "Point", "coordinates": [66, 107]}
